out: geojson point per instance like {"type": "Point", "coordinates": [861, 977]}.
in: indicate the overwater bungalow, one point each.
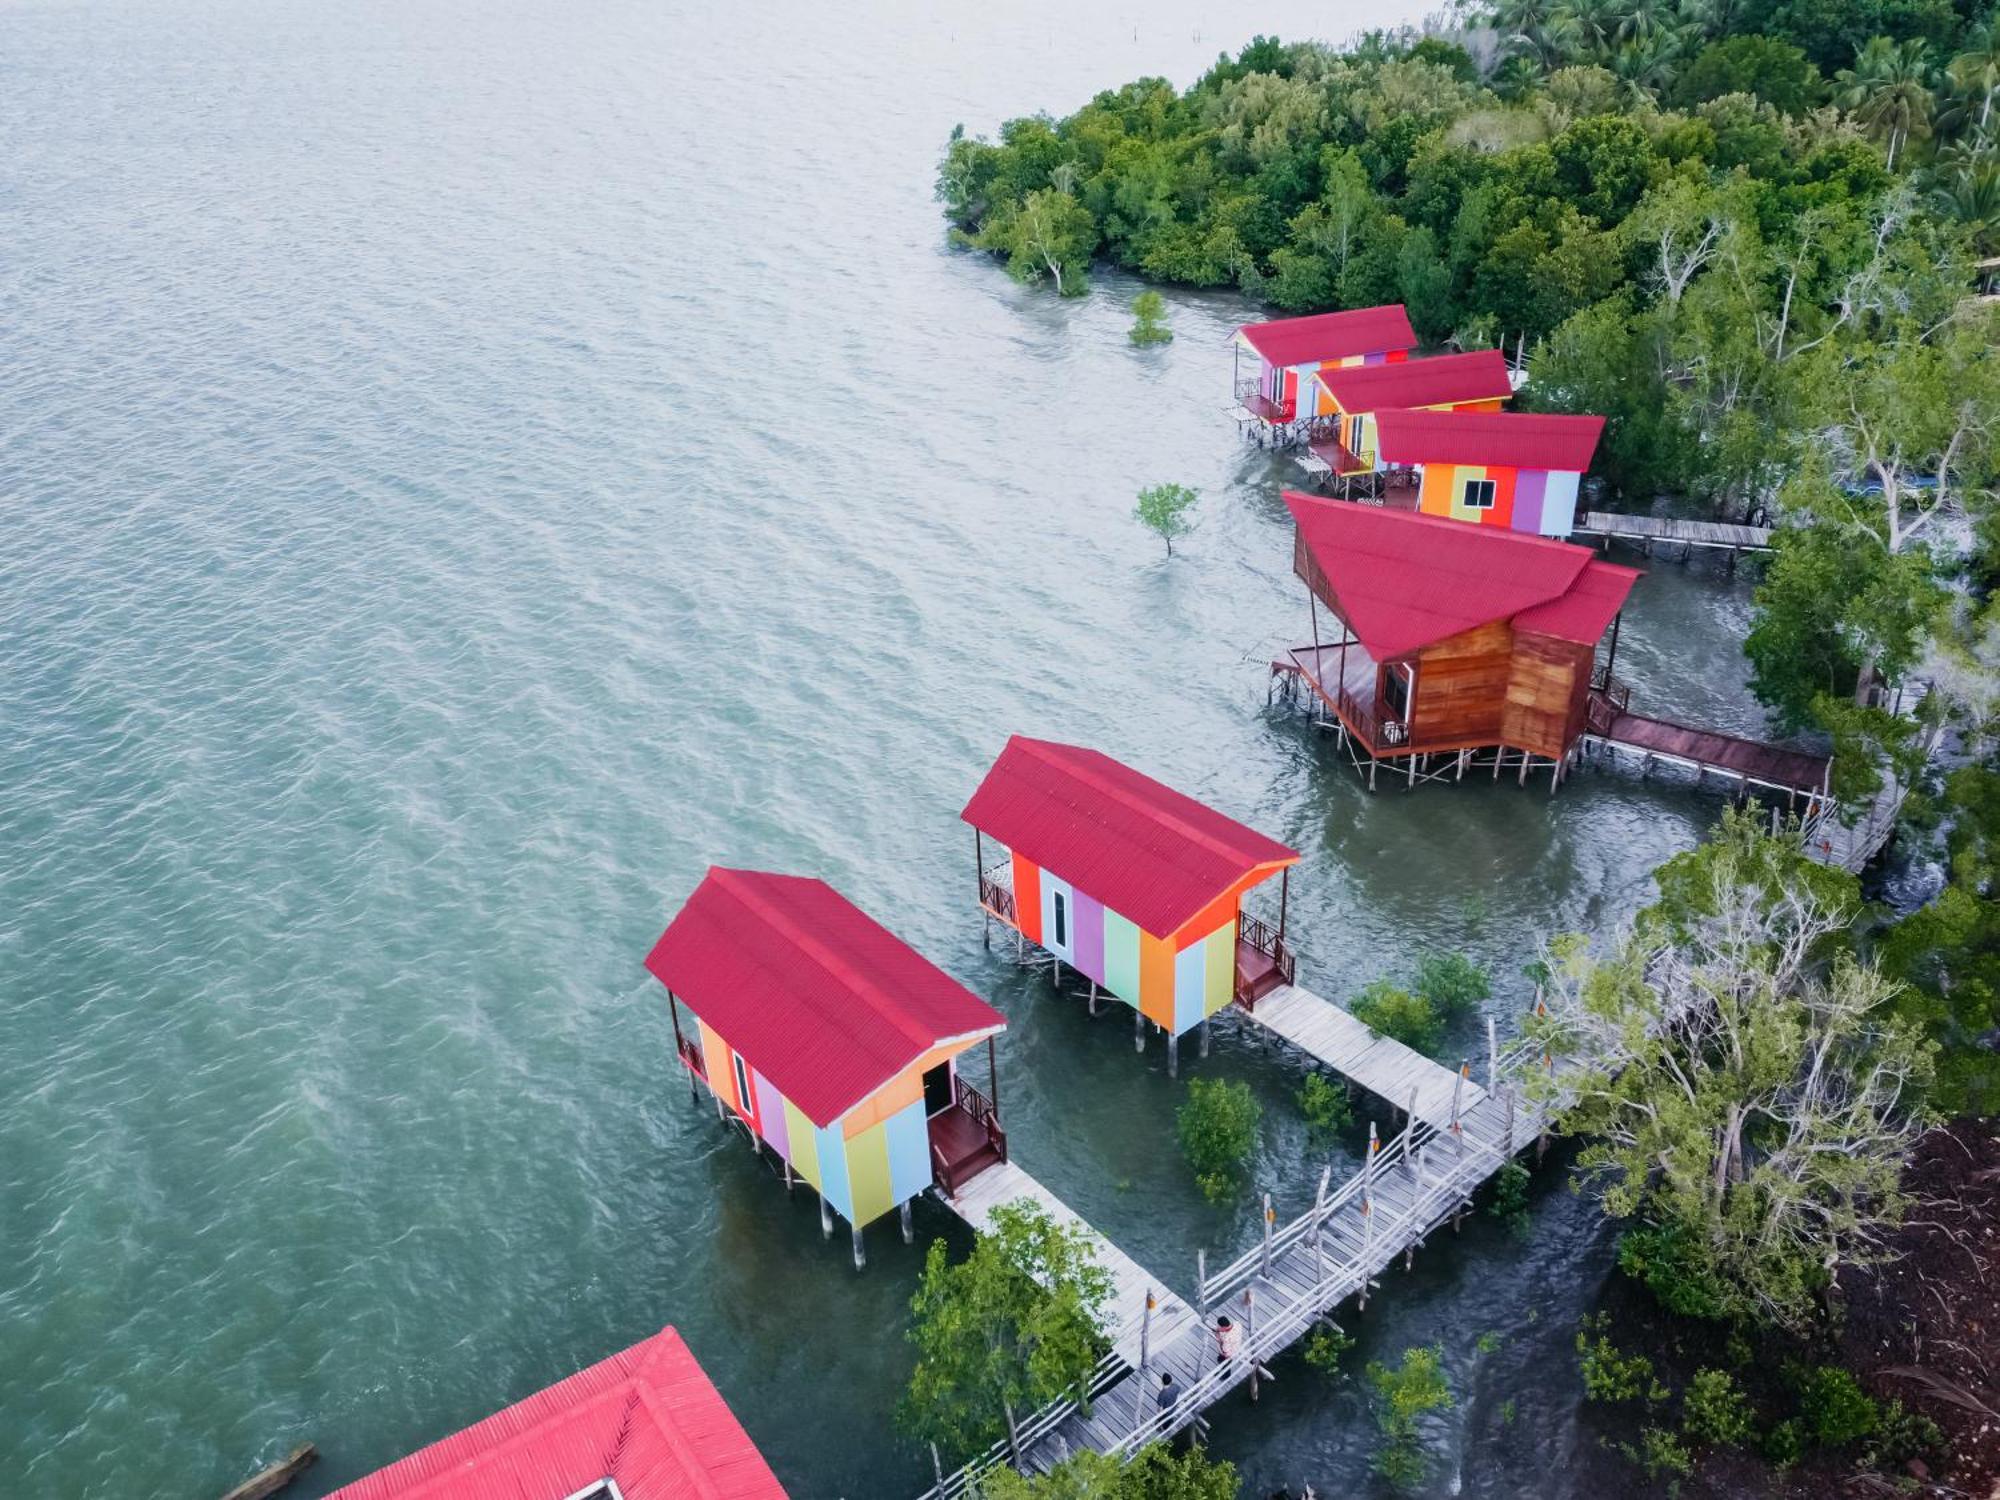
{"type": "Point", "coordinates": [1517, 471]}
{"type": "Point", "coordinates": [1134, 885]}
{"type": "Point", "coordinates": [1277, 397]}
{"type": "Point", "coordinates": [832, 1041]}
{"type": "Point", "coordinates": [645, 1424]}
{"type": "Point", "coordinates": [1478, 381]}
{"type": "Point", "coordinates": [1446, 642]}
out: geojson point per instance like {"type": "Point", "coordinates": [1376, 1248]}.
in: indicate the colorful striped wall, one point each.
{"type": "Point", "coordinates": [1534, 500]}
{"type": "Point", "coordinates": [1175, 988]}
{"type": "Point", "coordinates": [865, 1163]}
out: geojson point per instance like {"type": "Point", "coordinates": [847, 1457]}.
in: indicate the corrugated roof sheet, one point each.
{"type": "Point", "coordinates": [821, 998]}
{"type": "Point", "coordinates": [1587, 610]}
{"type": "Point", "coordinates": [1436, 381]}
{"type": "Point", "coordinates": [1148, 852]}
{"type": "Point", "coordinates": [1514, 439]}
{"type": "Point", "coordinates": [647, 1418]}
{"type": "Point", "coordinates": [1404, 580]}
{"type": "Point", "coordinates": [1334, 335]}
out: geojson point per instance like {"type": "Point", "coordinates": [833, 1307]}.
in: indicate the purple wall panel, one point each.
{"type": "Point", "coordinates": [1529, 487]}
{"type": "Point", "coordinates": [771, 1115]}
{"type": "Point", "coordinates": [1087, 949]}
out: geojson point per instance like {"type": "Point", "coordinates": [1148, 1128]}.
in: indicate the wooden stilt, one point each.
{"type": "Point", "coordinates": [1173, 1056]}
{"type": "Point", "coordinates": [825, 1219]}
{"type": "Point", "coordinates": [789, 1178]}
{"type": "Point", "coordinates": [1522, 779]}
{"type": "Point", "coordinates": [1201, 1283]}
{"type": "Point", "coordinates": [1093, 997]}
{"type": "Point", "coordinates": [1204, 1038]}
{"type": "Point", "coordinates": [860, 1250]}
{"type": "Point", "coordinates": [1492, 1055]}
{"type": "Point", "coordinates": [909, 1229]}
{"type": "Point", "coordinates": [1138, 1029]}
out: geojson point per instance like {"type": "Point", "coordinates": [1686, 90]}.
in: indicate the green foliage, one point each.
{"type": "Point", "coordinates": [1325, 1105]}
{"type": "Point", "coordinates": [1487, 1343]}
{"type": "Point", "coordinates": [1453, 984]}
{"type": "Point", "coordinates": [1900, 1436]}
{"type": "Point", "coordinates": [1149, 311]}
{"type": "Point", "coordinates": [1833, 1409]}
{"type": "Point", "coordinates": [1775, 71]}
{"type": "Point", "coordinates": [1218, 1133]}
{"type": "Point", "coordinates": [1661, 1452]}
{"type": "Point", "coordinates": [1017, 1323]}
{"type": "Point", "coordinates": [1163, 509]}
{"type": "Point", "coordinates": [1759, 1137]}
{"type": "Point", "coordinates": [1667, 1261]}
{"type": "Point", "coordinates": [1715, 1410]}
{"type": "Point", "coordinates": [1784, 1445]}
{"type": "Point", "coordinates": [1609, 1374]}
{"type": "Point", "coordinates": [1156, 1473]}
{"type": "Point", "coordinates": [1404, 1394]}
{"type": "Point", "coordinates": [1410, 1019]}
{"type": "Point", "coordinates": [1325, 1347]}
{"type": "Point", "coordinates": [1509, 1200]}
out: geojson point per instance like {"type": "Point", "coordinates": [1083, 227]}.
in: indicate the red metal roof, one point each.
{"type": "Point", "coordinates": [1404, 580]}
{"type": "Point", "coordinates": [1437, 381]}
{"type": "Point", "coordinates": [1587, 610]}
{"type": "Point", "coordinates": [647, 1418]}
{"type": "Point", "coordinates": [821, 998]}
{"type": "Point", "coordinates": [1149, 853]}
{"type": "Point", "coordinates": [1334, 335]}
{"type": "Point", "coordinates": [1512, 439]}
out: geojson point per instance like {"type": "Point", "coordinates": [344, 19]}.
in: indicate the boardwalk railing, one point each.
{"type": "Point", "coordinates": [997, 897]}
{"type": "Point", "coordinates": [1263, 937]}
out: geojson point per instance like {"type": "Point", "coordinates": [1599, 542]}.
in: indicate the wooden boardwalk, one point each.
{"type": "Point", "coordinates": [1380, 1064]}
{"type": "Point", "coordinates": [1647, 530]}
{"type": "Point", "coordinates": [1746, 762]}
{"type": "Point", "coordinates": [1130, 1282]}
{"type": "Point", "coordinates": [1301, 1270]}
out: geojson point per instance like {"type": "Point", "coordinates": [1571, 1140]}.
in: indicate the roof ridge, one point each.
{"type": "Point", "coordinates": [773, 916]}
{"type": "Point", "coordinates": [1120, 794]}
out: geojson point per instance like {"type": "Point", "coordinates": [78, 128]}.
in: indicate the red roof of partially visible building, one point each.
{"type": "Point", "coordinates": [1512, 439]}
{"type": "Point", "coordinates": [1438, 381]}
{"type": "Point", "coordinates": [817, 995]}
{"type": "Point", "coordinates": [1151, 854]}
{"type": "Point", "coordinates": [646, 1418]}
{"type": "Point", "coordinates": [1334, 335]}
{"type": "Point", "coordinates": [1404, 580]}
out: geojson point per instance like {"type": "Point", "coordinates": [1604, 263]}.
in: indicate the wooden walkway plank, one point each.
{"type": "Point", "coordinates": [1380, 1064]}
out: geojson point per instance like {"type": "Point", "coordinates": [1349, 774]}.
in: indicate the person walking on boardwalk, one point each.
{"type": "Point", "coordinates": [1170, 1397]}
{"type": "Point", "coordinates": [1228, 1339]}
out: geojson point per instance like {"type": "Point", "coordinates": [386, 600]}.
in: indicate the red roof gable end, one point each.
{"type": "Point", "coordinates": [816, 995]}
{"type": "Point", "coordinates": [1510, 439]}
{"type": "Point", "coordinates": [1334, 335]}
{"type": "Point", "coordinates": [1441, 380]}
{"type": "Point", "coordinates": [1149, 853]}
{"type": "Point", "coordinates": [647, 1419]}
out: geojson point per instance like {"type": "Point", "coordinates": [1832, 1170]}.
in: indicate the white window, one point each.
{"type": "Point", "coordinates": [1479, 494]}
{"type": "Point", "coordinates": [743, 1094]}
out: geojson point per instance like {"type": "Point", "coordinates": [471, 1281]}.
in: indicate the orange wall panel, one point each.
{"type": "Point", "coordinates": [1028, 898]}
{"type": "Point", "coordinates": [1156, 979]}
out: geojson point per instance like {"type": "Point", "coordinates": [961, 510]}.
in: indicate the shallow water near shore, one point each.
{"type": "Point", "coordinates": [466, 469]}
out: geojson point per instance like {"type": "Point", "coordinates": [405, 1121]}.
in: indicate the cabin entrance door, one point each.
{"type": "Point", "coordinates": [937, 1090]}
{"type": "Point", "coordinates": [1399, 689]}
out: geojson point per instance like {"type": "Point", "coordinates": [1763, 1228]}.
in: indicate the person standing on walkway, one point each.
{"type": "Point", "coordinates": [1170, 1397]}
{"type": "Point", "coordinates": [1228, 1340]}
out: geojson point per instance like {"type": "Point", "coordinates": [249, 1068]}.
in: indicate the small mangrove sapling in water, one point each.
{"type": "Point", "coordinates": [1404, 1394]}
{"type": "Point", "coordinates": [1218, 1131]}
{"type": "Point", "coordinates": [1164, 508]}
{"type": "Point", "coordinates": [1149, 325]}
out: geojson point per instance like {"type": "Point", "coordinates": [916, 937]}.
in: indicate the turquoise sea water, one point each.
{"type": "Point", "coordinates": [465, 468]}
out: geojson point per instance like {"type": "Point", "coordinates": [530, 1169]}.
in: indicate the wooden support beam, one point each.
{"type": "Point", "coordinates": [268, 1481]}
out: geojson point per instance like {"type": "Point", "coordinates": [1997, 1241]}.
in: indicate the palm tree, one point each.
{"type": "Point", "coordinates": [1552, 42]}
{"type": "Point", "coordinates": [1972, 197]}
{"type": "Point", "coordinates": [1641, 19]}
{"type": "Point", "coordinates": [1597, 22]}
{"type": "Point", "coordinates": [1976, 71]}
{"type": "Point", "coordinates": [1646, 64]}
{"type": "Point", "coordinates": [1888, 91]}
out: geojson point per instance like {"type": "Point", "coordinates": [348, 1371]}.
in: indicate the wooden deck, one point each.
{"type": "Point", "coordinates": [1126, 1312]}
{"type": "Point", "coordinates": [1749, 762]}
{"type": "Point", "coordinates": [1646, 530]}
{"type": "Point", "coordinates": [1380, 1064]}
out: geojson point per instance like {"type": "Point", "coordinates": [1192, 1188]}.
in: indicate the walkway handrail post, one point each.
{"type": "Point", "coordinates": [1507, 1095]}
{"type": "Point", "coordinates": [1319, 1217]}
{"type": "Point", "coordinates": [1269, 1219]}
{"type": "Point", "coordinates": [1457, 1087]}
{"type": "Point", "coordinates": [1492, 1055]}
{"type": "Point", "coordinates": [1410, 1133]}
{"type": "Point", "coordinates": [1201, 1283]}
{"type": "Point", "coordinates": [1250, 1335]}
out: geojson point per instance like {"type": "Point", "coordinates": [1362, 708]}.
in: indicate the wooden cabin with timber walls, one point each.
{"type": "Point", "coordinates": [1134, 885]}
{"type": "Point", "coordinates": [1277, 398]}
{"type": "Point", "coordinates": [645, 1424]}
{"type": "Point", "coordinates": [1514, 471]}
{"type": "Point", "coordinates": [835, 1043]}
{"type": "Point", "coordinates": [1455, 644]}
{"type": "Point", "coordinates": [1478, 381]}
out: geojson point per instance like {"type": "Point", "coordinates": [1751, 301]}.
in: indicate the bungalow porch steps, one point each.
{"type": "Point", "coordinates": [1380, 1064]}
{"type": "Point", "coordinates": [1131, 1283]}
